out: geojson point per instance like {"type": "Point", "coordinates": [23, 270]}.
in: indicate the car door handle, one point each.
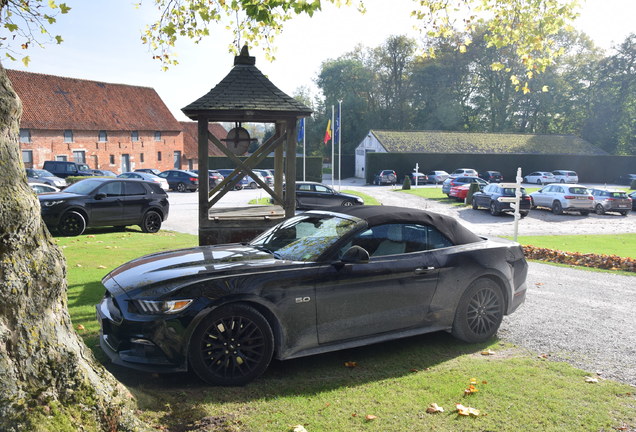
{"type": "Point", "coordinates": [424, 270]}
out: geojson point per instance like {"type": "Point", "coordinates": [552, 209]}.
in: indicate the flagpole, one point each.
{"type": "Point", "coordinates": [339, 145]}
{"type": "Point", "coordinates": [333, 166]}
{"type": "Point", "coordinates": [304, 152]}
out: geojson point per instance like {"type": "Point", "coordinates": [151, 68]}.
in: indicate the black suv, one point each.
{"type": "Point", "coordinates": [105, 201]}
{"type": "Point", "coordinates": [65, 169]}
{"type": "Point", "coordinates": [496, 198]}
{"type": "Point", "coordinates": [181, 180]}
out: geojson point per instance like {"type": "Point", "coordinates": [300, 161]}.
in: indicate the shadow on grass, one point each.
{"type": "Point", "coordinates": [308, 375]}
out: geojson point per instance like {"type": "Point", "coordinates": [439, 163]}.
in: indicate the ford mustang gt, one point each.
{"type": "Point", "coordinates": [319, 281]}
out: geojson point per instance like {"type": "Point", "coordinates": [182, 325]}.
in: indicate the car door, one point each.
{"type": "Point", "coordinates": [483, 198]}
{"type": "Point", "coordinates": [541, 198]}
{"type": "Point", "coordinates": [388, 293]}
{"type": "Point", "coordinates": [304, 194]}
{"type": "Point", "coordinates": [105, 206]}
{"type": "Point", "coordinates": [135, 200]}
{"type": "Point", "coordinates": [325, 197]}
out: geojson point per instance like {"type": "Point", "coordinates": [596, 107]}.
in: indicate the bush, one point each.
{"type": "Point", "coordinates": [407, 183]}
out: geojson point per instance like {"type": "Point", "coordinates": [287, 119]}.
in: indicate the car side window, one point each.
{"type": "Point", "coordinates": [134, 188]}
{"type": "Point", "coordinates": [304, 188]}
{"type": "Point", "coordinates": [320, 188]}
{"type": "Point", "coordinates": [112, 189]}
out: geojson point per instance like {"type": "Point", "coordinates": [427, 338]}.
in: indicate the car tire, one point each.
{"type": "Point", "coordinates": [231, 346]}
{"type": "Point", "coordinates": [151, 222]}
{"type": "Point", "coordinates": [493, 209]}
{"type": "Point", "coordinates": [71, 224]}
{"type": "Point", "coordinates": [475, 206]}
{"type": "Point", "coordinates": [253, 185]}
{"type": "Point", "coordinates": [624, 213]}
{"type": "Point", "coordinates": [599, 209]}
{"type": "Point", "coordinates": [557, 208]}
{"type": "Point", "coordinates": [584, 212]}
{"type": "Point", "coordinates": [479, 312]}
{"type": "Point", "coordinates": [181, 187]}
{"type": "Point", "coordinates": [539, 182]}
{"type": "Point", "coordinates": [523, 214]}
{"type": "Point", "coordinates": [297, 204]}
{"type": "Point", "coordinates": [347, 203]}
{"type": "Point", "coordinates": [562, 181]}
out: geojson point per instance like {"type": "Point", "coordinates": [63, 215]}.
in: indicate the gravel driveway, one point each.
{"type": "Point", "coordinates": [582, 317]}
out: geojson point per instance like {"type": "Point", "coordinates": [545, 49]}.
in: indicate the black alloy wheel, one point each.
{"type": "Point", "coordinates": [493, 209]}
{"type": "Point", "coordinates": [232, 346]}
{"type": "Point", "coordinates": [151, 222]}
{"type": "Point", "coordinates": [71, 224]}
{"type": "Point", "coordinates": [475, 206]}
{"type": "Point", "coordinates": [557, 208]}
{"type": "Point", "coordinates": [479, 312]}
{"type": "Point", "coordinates": [181, 187]}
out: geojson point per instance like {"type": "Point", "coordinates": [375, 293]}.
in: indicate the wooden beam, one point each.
{"type": "Point", "coordinates": [290, 170]}
{"type": "Point", "coordinates": [202, 132]}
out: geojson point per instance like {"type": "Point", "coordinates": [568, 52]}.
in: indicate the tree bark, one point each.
{"type": "Point", "coordinates": [48, 377]}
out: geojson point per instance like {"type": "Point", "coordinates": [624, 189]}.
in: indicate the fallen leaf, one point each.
{"type": "Point", "coordinates": [370, 417]}
{"type": "Point", "coordinates": [90, 236]}
{"type": "Point", "coordinates": [298, 428]}
{"type": "Point", "coordinates": [466, 411]}
{"type": "Point", "coordinates": [101, 267]}
{"type": "Point", "coordinates": [351, 364]}
{"type": "Point", "coordinates": [434, 408]}
{"type": "Point", "coordinates": [470, 390]}
{"type": "Point", "coordinates": [488, 352]}
{"type": "Point", "coordinates": [78, 265]}
{"type": "Point", "coordinates": [81, 327]}
{"type": "Point", "coordinates": [473, 381]}
{"type": "Point", "coordinates": [591, 380]}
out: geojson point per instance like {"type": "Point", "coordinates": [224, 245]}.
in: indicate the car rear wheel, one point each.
{"type": "Point", "coordinates": [253, 185]}
{"type": "Point", "coordinates": [151, 222]}
{"type": "Point", "coordinates": [71, 224]}
{"type": "Point", "coordinates": [479, 312]}
{"type": "Point", "coordinates": [475, 206]}
{"type": "Point", "coordinates": [584, 212]}
{"type": "Point", "coordinates": [599, 209]}
{"type": "Point", "coordinates": [557, 209]}
{"type": "Point", "coordinates": [181, 187]}
{"type": "Point", "coordinates": [493, 209]}
{"type": "Point", "coordinates": [231, 346]}
{"type": "Point", "coordinates": [539, 182]}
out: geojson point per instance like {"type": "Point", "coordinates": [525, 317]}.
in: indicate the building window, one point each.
{"type": "Point", "coordinates": [62, 158]}
{"type": "Point", "coordinates": [102, 136]}
{"type": "Point", "coordinates": [141, 157]}
{"type": "Point", "coordinates": [112, 159]}
{"type": "Point", "coordinates": [158, 156]}
{"type": "Point", "coordinates": [25, 135]}
{"type": "Point", "coordinates": [134, 135]}
{"type": "Point", "coordinates": [157, 135]}
{"type": "Point", "coordinates": [68, 136]}
{"type": "Point", "coordinates": [27, 158]}
{"type": "Point", "coordinates": [79, 156]}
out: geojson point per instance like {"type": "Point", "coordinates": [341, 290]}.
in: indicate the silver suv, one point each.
{"type": "Point", "coordinates": [611, 200]}
{"type": "Point", "coordinates": [565, 176]}
{"type": "Point", "coordinates": [564, 197]}
{"type": "Point", "coordinates": [464, 172]}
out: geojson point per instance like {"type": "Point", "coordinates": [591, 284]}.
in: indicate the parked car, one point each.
{"type": "Point", "coordinates": [459, 192]}
{"type": "Point", "coordinates": [419, 178]}
{"type": "Point", "coordinates": [142, 175]}
{"type": "Point", "coordinates": [149, 170]}
{"type": "Point", "coordinates": [43, 176]}
{"type": "Point", "coordinates": [540, 178]}
{"type": "Point", "coordinates": [633, 198]}
{"type": "Point", "coordinates": [65, 169]}
{"type": "Point", "coordinates": [450, 182]}
{"type": "Point", "coordinates": [385, 177]}
{"type": "Point", "coordinates": [181, 180]}
{"type": "Point", "coordinates": [437, 176]}
{"type": "Point", "coordinates": [611, 200]}
{"type": "Point", "coordinates": [319, 281]}
{"type": "Point", "coordinates": [564, 197]}
{"type": "Point", "coordinates": [564, 176]}
{"type": "Point", "coordinates": [103, 173]}
{"type": "Point", "coordinates": [311, 195]}
{"type": "Point", "coordinates": [491, 176]}
{"type": "Point", "coordinates": [214, 176]}
{"type": "Point", "coordinates": [495, 197]}
{"type": "Point", "coordinates": [626, 179]}
{"type": "Point", "coordinates": [463, 172]}
{"type": "Point", "coordinates": [105, 201]}
{"type": "Point", "coordinates": [227, 172]}
{"type": "Point", "coordinates": [267, 175]}
{"type": "Point", "coordinates": [39, 188]}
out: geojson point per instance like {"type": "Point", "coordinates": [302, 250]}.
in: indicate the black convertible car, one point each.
{"type": "Point", "coordinates": [319, 281]}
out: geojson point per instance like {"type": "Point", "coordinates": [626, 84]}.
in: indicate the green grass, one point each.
{"type": "Point", "coordinates": [623, 245]}
{"type": "Point", "coordinates": [393, 381]}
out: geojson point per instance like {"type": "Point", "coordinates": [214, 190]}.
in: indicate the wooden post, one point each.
{"type": "Point", "coordinates": [278, 163]}
{"type": "Point", "coordinates": [204, 182]}
{"type": "Point", "coordinates": [290, 171]}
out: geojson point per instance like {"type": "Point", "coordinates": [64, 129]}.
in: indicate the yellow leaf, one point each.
{"type": "Point", "coordinates": [545, 89]}
{"type": "Point", "coordinates": [466, 411]}
{"type": "Point", "coordinates": [370, 417]}
{"type": "Point", "coordinates": [434, 408]}
{"type": "Point", "coordinates": [351, 364]}
{"type": "Point", "coordinates": [488, 352]}
{"type": "Point", "coordinates": [101, 267]}
{"type": "Point", "coordinates": [473, 380]}
{"type": "Point", "coordinates": [462, 49]}
{"type": "Point", "coordinates": [80, 327]}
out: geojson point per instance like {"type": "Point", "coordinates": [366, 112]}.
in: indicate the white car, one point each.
{"type": "Point", "coordinates": [540, 178]}
{"type": "Point", "coordinates": [39, 188]}
{"type": "Point", "coordinates": [464, 172]}
{"type": "Point", "coordinates": [565, 176]}
{"type": "Point", "coordinates": [147, 177]}
{"type": "Point", "coordinates": [560, 197]}
{"type": "Point", "coordinates": [437, 176]}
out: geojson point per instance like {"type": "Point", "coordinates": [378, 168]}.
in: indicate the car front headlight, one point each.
{"type": "Point", "coordinates": [166, 307]}
{"type": "Point", "coordinates": [51, 203]}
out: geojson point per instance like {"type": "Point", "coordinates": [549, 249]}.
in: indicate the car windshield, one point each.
{"type": "Point", "coordinates": [42, 173]}
{"type": "Point", "coordinates": [512, 191]}
{"type": "Point", "coordinates": [304, 237]}
{"type": "Point", "coordinates": [83, 187]}
{"type": "Point", "coordinates": [578, 190]}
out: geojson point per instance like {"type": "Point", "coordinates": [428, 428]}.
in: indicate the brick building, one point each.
{"type": "Point", "coordinates": [191, 145]}
{"type": "Point", "coordinates": [114, 127]}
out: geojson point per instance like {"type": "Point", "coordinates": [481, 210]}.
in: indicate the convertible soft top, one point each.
{"type": "Point", "coordinates": [377, 215]}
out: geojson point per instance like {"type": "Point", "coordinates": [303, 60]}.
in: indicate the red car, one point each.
{"type": "Point", "coordinates": [459, 192]}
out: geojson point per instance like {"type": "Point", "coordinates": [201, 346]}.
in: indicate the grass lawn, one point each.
{"type": "Point", "coordinates": [393, 383]}
{"type": "Point", "coordinates": [623, 245]}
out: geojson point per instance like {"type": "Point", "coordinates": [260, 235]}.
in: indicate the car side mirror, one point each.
{"type": "Point", "coordinates": [100, 196]}
{"type": "Point", "coordinates": [355, 255]}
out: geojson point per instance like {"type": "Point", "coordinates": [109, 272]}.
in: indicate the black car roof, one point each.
{"type": "Point", "coordinates": [377, 215]}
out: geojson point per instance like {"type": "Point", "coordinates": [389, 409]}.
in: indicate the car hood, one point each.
{"type": "Point", "coordinates": [173, 269]}
{"type": "Point", "coordinates": [55, 196]}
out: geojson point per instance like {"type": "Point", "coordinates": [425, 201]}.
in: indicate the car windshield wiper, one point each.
{"type": "Point", "coordinates": [269, 251]}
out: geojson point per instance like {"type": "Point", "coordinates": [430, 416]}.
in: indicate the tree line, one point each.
{"type": "Point", "coordinates": [466, 84]}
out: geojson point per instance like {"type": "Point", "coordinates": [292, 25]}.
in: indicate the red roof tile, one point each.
{"type": "Point", "coordinates": [190, 138]}
{"type": "Point", "coordinates": [58, 103]}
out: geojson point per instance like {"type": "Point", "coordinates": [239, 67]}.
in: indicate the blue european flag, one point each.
{"type": "Point", "coordinates": [301, 130]}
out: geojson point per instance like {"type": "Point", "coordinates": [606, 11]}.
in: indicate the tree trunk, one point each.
{"type": "Point", "coordinates": [49, 378]}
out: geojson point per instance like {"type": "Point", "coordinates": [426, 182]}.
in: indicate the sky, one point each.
{"type": "Point", "coordinates": [102, 43]}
